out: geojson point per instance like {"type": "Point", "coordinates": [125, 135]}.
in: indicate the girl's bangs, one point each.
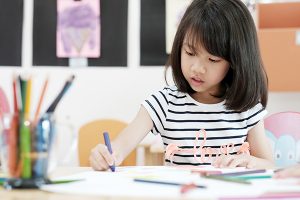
{"type": "Point", "coordinates": [193, 40]}
{"type": "Point", "coordinates": [206, 36]}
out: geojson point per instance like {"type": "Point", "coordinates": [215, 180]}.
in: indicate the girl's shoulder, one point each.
{"type": "Point", "coordinates": [257, 107]}
{"type": "Point", "coordinates": [254, 114]}
{"type": "Point", "coordinates": [172, 92]}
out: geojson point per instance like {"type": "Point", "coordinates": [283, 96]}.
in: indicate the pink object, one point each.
{"type": "Point", "coordinates": [172, 148]}
{"type": "Point", "coordinates": [78, 28]}
{"type": "Point", "coordinates": [4, 105]}
{"type": "Point", "coordinates": [284, 122]}
{"type": "Point", "coordinates": [245, 148]}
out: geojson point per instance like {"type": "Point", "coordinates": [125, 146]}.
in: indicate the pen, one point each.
{"type": "Point", "coordinates": [108, 145]}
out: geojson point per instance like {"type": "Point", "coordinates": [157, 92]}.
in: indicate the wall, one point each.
{"type": "Point", "coordinates": [106, 92]}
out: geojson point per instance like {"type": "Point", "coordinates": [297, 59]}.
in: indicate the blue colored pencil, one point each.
{"type": "Point", "coordinates": [108, 145]}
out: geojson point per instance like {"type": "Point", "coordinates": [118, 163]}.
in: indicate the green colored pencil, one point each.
{"type": "Point", "coordinates": [228, 179]}
{"type": "Point", "coordinates": [254, 177]}
{"type": "Point", "coordinates": [64, 181]}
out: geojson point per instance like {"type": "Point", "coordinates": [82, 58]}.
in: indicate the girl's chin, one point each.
{"type": "Point", "coordinates": [198, 89]}
{"type": "Point", "coordinates": [197, 86]}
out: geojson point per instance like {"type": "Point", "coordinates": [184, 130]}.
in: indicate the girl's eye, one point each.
{"type": "Point", "coordinates": [189, 53]}
{"type": "Point", "coordinates": [213, 60]}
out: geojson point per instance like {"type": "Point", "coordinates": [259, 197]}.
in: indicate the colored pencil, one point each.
{"type": "Point", "coordinates": [60, 95]}
{"type": "Point", "coordinates": [254, 177]}
{"type": "Point", "coordinates": [38, 109]}
{"type": "Point", "coordinates": [227, 179]}
{"type": "Point", "coordinates": [164, 182]}
{"type": "Point", "coordinates": [27, 99]}
{"type": "Point", "coordinates": [108, 145]}
{"type": "Point", "coordinates": [243, 172]}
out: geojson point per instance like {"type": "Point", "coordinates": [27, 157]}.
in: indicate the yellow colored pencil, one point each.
{"type": "Point", "coordinates": [28, 99]}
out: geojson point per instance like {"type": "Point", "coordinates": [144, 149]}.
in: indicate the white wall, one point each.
{"type": "Point", "coordinates": [105, 92]}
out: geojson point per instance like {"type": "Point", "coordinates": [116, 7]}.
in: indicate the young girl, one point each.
{"type": "Point", "coordinates": [214, 113]}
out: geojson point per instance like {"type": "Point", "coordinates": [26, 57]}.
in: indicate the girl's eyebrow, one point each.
{"type": "Point", "coordinates": [187, 44]}
{"type": "Point", "coordinates": [191, 47]}
{"type": "Point", "coordinates": [195, 49]}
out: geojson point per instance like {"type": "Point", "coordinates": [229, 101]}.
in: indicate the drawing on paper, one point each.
{"type": "Point", "coordinates": [78, 28]}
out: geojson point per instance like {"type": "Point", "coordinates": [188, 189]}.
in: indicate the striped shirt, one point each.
{"type": "Point", "coordinates": [177, 117]}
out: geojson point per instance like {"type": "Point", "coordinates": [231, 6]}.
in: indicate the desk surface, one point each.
{"type": "Point", "coordinates": [34, 194]}
{"type": "Point", "coordinates": [66, 171]}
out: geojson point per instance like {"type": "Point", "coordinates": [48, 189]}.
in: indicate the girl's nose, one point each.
{"type": "Point", "coordinates": [198, 67]}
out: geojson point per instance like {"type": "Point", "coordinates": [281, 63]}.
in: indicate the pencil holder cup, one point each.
{"type": "Point", "coordinates": [26, 148]}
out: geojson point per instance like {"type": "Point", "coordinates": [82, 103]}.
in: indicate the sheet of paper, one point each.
{"type": "Point", "coordinates": [121, 183]}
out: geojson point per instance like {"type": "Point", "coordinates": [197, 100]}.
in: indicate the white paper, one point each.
{"type": "Point", "coordinates": [121, 183]}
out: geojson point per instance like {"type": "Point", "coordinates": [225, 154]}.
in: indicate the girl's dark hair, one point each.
{"type": "Point", "coordinates": [225, 28]}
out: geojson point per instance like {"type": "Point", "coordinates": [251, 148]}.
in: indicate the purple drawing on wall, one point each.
{"type": "Point", "coordinates": [78, 28]}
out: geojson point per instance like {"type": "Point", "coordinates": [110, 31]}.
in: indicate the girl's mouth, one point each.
{"type": "Point", "coordinates": [196, 81]}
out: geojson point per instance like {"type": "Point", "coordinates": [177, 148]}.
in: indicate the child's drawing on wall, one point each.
{"type": "Point", "coordinates": [78, 28]}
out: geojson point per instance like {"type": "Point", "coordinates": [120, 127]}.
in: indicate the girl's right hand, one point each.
{"type": "Point", "coordinates": [100, 158]}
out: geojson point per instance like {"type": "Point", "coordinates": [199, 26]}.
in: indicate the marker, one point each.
{"type": "Point", "coordinates": [108, 145]}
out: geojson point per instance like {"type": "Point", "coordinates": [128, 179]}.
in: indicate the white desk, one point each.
{"type": "Point", "coordinates": [136, 189]}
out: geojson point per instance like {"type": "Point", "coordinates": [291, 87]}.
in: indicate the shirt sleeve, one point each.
{"type": "Point", "coordinates": [157, 107]}
{"type": "Point", "coordinates": [256, 114]}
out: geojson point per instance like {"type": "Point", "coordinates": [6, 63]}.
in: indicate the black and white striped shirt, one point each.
{"type": "Point", "coordinates": [177, 117]}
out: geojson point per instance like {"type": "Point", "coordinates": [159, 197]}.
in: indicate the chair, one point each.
{"type": "Point", "coordinates": [90, 135]}
{"type": "Point", "coordinates": [283, 129]}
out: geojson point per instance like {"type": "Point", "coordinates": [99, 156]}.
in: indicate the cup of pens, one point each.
{"type": "Point", "coordinates": [25, 147]}
{"type": "Point", "coordinates": [26, 143]}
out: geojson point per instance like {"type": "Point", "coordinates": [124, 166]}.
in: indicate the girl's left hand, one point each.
{"type": "Point", "coordinates": [292, 171]}
{"type": "Point", "coordinates": [232, 161]}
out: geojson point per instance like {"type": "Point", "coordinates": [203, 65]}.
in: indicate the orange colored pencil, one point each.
{"type": "Point", "coordinates": [40, 101]}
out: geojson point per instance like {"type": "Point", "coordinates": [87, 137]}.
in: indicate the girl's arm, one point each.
{"type": "Point", "coordinates": [261, 155]}
{"type": "Point", "coordinates": [133, 134]}
{"type": "Point", "coordinates": [260, 147]}
{"type": "Point", "coordinates": [126, 141]}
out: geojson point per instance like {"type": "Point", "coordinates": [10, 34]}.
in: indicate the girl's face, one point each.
{"type": "Point", "coordinates": [203, 71]}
